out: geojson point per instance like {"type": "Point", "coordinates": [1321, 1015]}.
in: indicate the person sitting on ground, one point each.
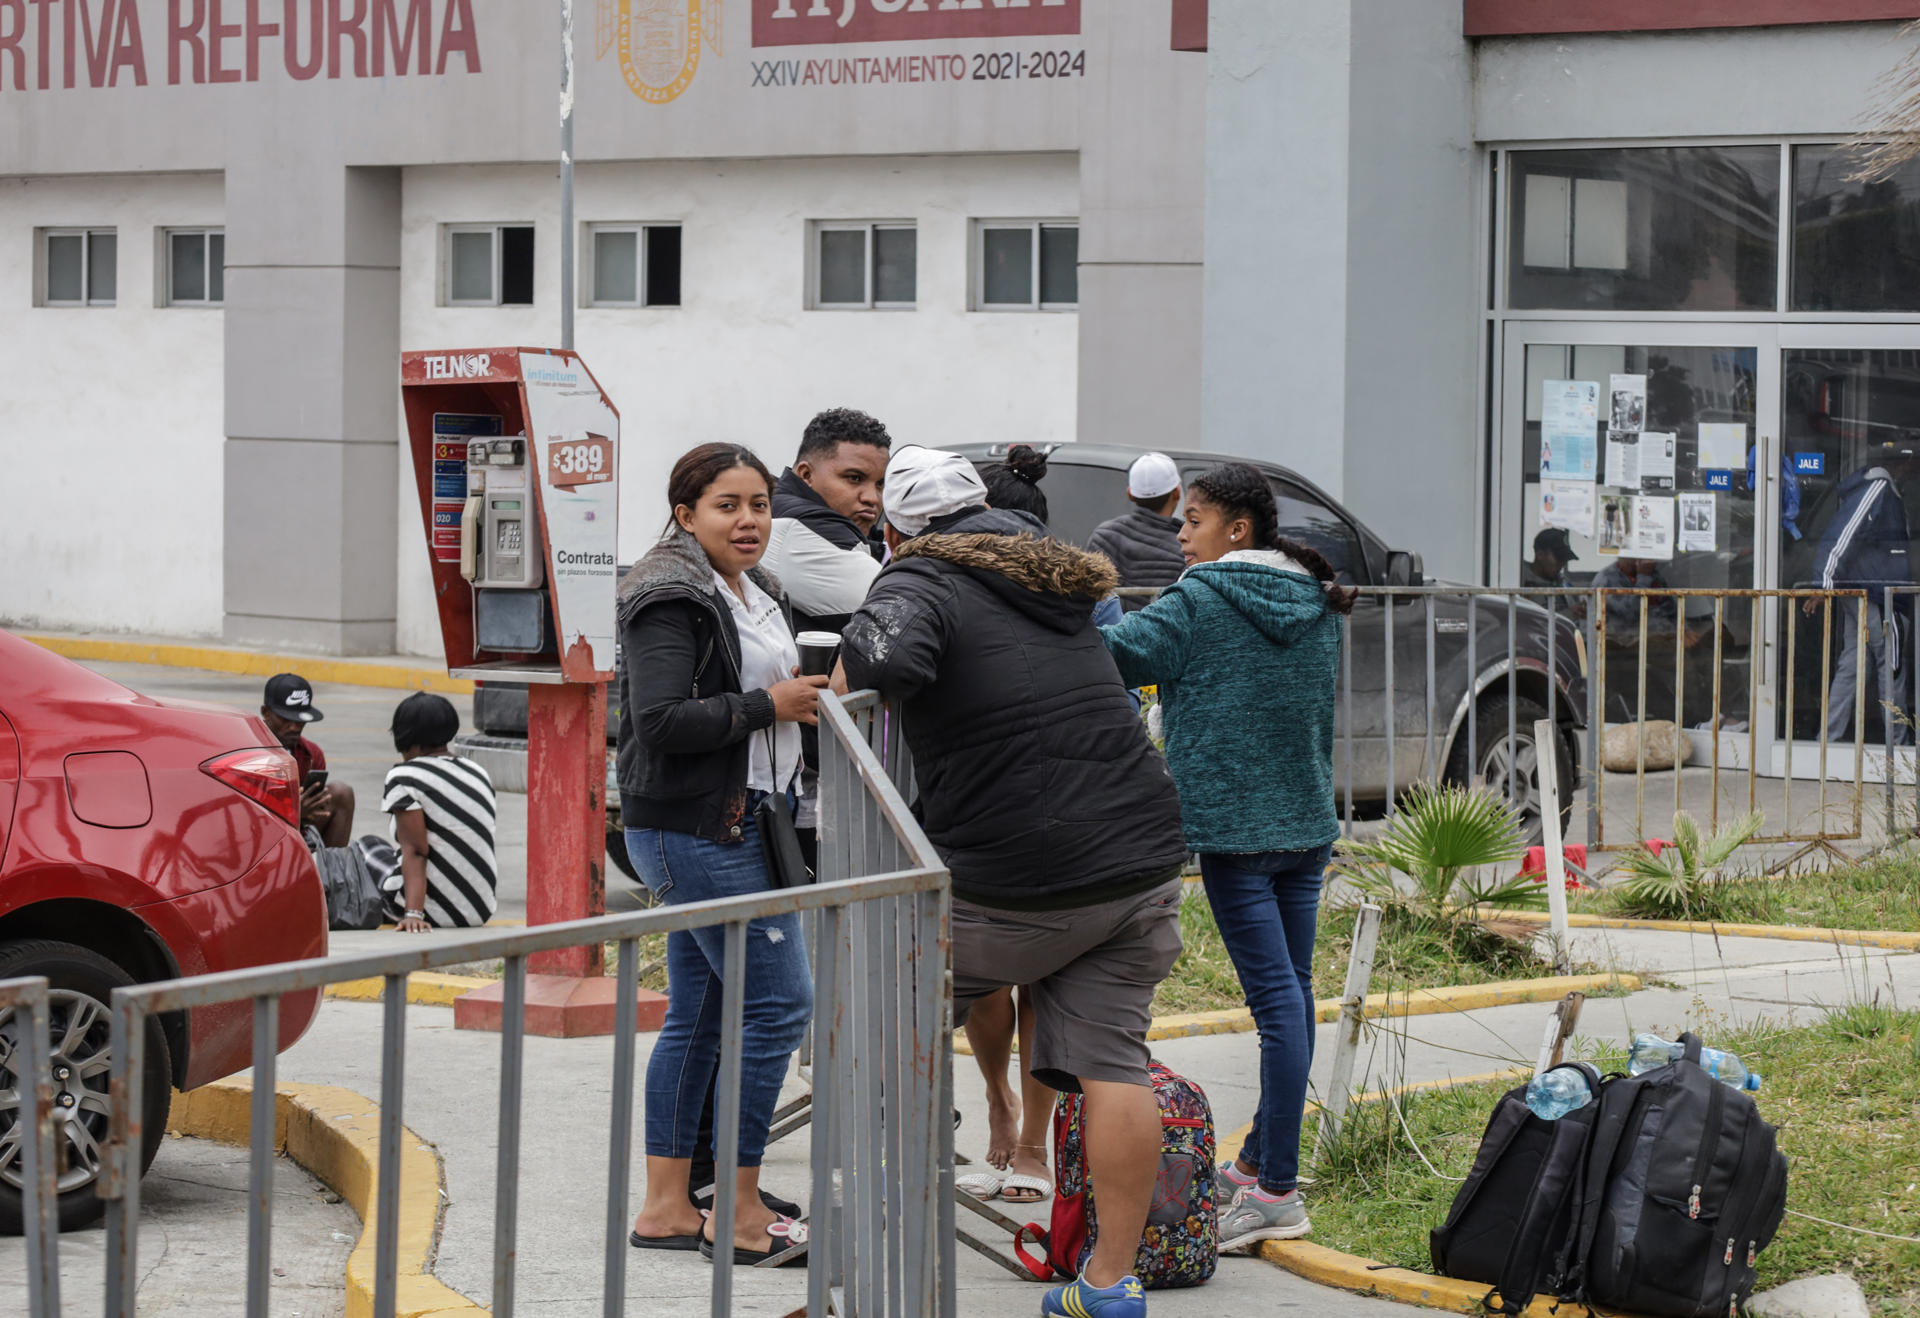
{"type": "Point", "coordinates": [288, 708]}
{"type": "Point", "coordinates": [1053, 812]}
{"type": "Point", "coordinates": [443, 813]}
{"type": "Point", "coordinates": [1144, 544]}
{"type": "Point", "coordinates": [1245, 648]}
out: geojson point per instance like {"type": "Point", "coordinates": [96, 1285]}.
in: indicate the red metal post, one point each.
{"type": "Point", "coordinates": [566, 816]}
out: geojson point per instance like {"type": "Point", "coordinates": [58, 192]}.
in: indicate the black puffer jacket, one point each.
{"type": "Point", "coordinates": [684, 721]}
{"type": "Point", "coordinates": [1145, 547]}
{"type": "Point", "coordinates": [1037, 782]}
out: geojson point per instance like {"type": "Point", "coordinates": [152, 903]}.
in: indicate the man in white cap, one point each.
{"type": "Point", "coordinates": [1053, 812]}
{"type": "Point", "coordinates": [1144, 544]}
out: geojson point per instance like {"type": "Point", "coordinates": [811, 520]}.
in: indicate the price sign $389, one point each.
{"type": "Point", "coordinates": [585, 461]}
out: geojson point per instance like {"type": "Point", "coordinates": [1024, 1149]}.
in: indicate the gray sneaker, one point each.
{"type": "Point", "coordinates": [1248, 1221]}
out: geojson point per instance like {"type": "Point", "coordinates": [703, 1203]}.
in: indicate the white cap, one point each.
{"type": "Point", "coordinates": [1152, 476]}
{"type": "Point", "coordinates": [925, 483]}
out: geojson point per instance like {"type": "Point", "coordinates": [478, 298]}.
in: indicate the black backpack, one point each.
{"type": "Point", "coordinates": [1684, 1186]}
{"type": "Point", "coordinates": [1513, 1223]}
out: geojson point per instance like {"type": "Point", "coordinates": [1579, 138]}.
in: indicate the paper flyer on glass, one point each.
{"type": "Point", "coordinates": [1723, 446]}
{"type": "Point", "coordinates": [1652, 528]}
{"type": "Point", "coordinates": [1623, 462]}
{"type": "Point", "coordinates": [1567, 504]}
{"type": "Point", "coordinates": [1616, 524]}
{"type": "Point", "coordinates": [1697, 513]}
{"type": "Point", "coordinates": [1629, 412]}
{"type": "Point", "coordinates": [1569, 418]}
{"type": "Point", "coordinates": [1656, 461]}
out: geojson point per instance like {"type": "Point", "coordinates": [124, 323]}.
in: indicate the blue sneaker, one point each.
{"type": "Point", "coordinates": [1076, 1299]}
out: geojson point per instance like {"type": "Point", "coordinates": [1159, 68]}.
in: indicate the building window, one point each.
{"type": "Point", "coordinates": [864, 265]}
{"type": "Point", "coordinates": [1026, 265]}
{"type": "Point", "coordinates": [489, 265]}
{"type": "Point", "coordinates": [633, 265]}
{"type": "Point", "coordinates": [1692, 228]}
{"type": "Point", "coordinates": [78, 267]}
{"type": "Point", "coordinates": [196, 264]}
{"type": "Point", "coordinates": [1856, 245]}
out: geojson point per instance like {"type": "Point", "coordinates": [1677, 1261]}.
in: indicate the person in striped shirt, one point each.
{"type": "Point", "coordinates": [443, 819]}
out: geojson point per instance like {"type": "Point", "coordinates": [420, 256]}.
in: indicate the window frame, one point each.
{"type": "Point", "coordinates": [977, 249]}
{"type": "Point", "coordinates": [870, 255]}
{"type": "Point", "coordinates": [43, 268]}
{"type": "Point", "coordinates": [642, 231]}
{"type": "Point", "coordinates": [496, 263]}
{"type": "Point", "coordinates": [163, 266]}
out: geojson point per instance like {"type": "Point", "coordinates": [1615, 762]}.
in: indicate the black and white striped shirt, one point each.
{"type": "Point", "coordinates": [457, 798]}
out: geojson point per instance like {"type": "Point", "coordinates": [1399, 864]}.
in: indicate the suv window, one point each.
{"type": "Point", "coordinates": [1079, 498]}
{"type": "Point", "coordinates": [1305, 518]}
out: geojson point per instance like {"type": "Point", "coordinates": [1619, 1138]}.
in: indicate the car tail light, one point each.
{"type": "Point", "coordinates": [263, 775]}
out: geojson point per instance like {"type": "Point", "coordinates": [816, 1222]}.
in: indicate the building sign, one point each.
{"type": "Point", "coordinates": [113, 43]}
{"type": "Point", "coordinates": [821, 22]}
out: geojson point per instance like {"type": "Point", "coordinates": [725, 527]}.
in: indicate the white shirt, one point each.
{"type": "Point", "coordinates": [821, 578]}
{"type": "Point", "coordinates": [768, 656]}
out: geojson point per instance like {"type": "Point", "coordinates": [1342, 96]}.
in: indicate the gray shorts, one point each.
{"type": "Point", "coordinates": [1091, 970]}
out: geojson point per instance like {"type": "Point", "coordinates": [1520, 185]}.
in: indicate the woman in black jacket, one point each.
{"type": "Point", "coordinates": [709, 726]}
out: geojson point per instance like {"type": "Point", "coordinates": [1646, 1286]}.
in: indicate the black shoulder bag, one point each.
{"type": "Point", "coordinates": [779, 839]}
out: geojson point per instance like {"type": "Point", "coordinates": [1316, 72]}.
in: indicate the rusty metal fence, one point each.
{"type": "Point", "coordinates": [881, 1241]}
{"type": "Point", "coordinates": [26, 1059]}
{"type": "Point", "coordinates": [1445, 683]}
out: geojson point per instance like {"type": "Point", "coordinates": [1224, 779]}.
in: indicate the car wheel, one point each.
{"type": "Point", "coordinates": [1500, 765]}
{"type": "Point", "coordinates": [617, 853]}
{"type": "Point", "coordinates": [81, 985]}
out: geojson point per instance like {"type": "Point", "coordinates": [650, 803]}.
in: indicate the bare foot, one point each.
{"type": "Point", "coordinates": [668, 1222]}
{"type": "Point", "coordinates": [750, 1229]}
{"type": "Point", "coordinates": [1003, 1125]}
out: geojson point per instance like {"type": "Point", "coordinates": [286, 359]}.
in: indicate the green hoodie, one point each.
{"type": "Point", "coordinates": [1246, 654]}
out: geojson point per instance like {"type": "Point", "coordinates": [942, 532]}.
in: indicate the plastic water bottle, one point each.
{"type": "Point", "coordinates": [1650, 1051]}
{"type": "Point", "coordinates": [1553, 1094]}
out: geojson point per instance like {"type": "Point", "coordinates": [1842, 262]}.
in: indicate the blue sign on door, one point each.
{"type": "Point", "coordinates": [1809, 464]}
{"type": "Point", "coordinates": [1718, 480]}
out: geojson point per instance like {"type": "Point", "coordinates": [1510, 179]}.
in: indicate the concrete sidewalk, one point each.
{"type": "Point", "coordinates": [451, 1080]}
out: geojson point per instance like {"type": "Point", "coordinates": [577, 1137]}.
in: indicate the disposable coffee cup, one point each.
{"type": "Point", "coordinates": [817, 650]}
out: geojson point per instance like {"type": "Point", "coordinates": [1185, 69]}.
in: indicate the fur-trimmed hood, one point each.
{"type": "Point", "coordinates": [1054, 583]}
{"type": "Point", "coordinates": [678, 564]}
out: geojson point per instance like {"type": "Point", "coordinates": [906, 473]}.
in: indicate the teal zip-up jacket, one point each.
{"type": "Point", "coordinates": [1246, 654]}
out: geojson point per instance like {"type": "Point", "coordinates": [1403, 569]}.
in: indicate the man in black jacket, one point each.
{"type": "Point", "coordinates": [1054, 813]}
{"type": "Point", "coordinates": [1144, 544]}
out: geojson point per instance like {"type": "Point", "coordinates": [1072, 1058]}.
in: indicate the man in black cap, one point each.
{"type": "Point", "coordinates": [1552, 551]}
{"type": "Point", "coordinates": [325, 807]}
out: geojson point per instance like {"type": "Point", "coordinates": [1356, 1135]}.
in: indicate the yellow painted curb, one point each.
{"type": "Point", "coordinates": [424, 988]}
{"type": "Point", "coordinates": [334, 1133]}
{"type": "Point", "coordinates": [220, 659]}
{"type": "Point", "coordinates": [1351, 1272]}
{"type": "Point", "coordinates": [1896, 939]}
{"type": "Point", "coordinates": [1400, 1003]}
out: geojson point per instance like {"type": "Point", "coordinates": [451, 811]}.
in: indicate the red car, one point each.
{"type": "Point", "coordinates": [140, 840]}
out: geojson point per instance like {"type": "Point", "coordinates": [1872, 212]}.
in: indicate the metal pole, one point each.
{"type": "Point", "coordinates": [266, 1050]}
{"type": "Point", "coordinates": [40, 1215]}
{"type": "Point", "coordinates": [566, 173]}
{"type": "Point", "coordinates": [1547, 749]}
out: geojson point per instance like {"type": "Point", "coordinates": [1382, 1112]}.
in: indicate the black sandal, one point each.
{"type": "Point", "coordinates": [686, 1244]}
{"type": "Point", "coordinates": [789, 1246]}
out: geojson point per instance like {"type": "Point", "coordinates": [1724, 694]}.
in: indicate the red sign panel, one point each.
{"type": "Point", "coordinates": [585, 461]}
{"type": "Point", "coordinates": [827, 22]}
{"type": "Point", "coordinates": [1490, 18]}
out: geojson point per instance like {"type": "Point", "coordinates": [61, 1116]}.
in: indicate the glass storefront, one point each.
{"type": "Point", "coordinates": [1747, 364]}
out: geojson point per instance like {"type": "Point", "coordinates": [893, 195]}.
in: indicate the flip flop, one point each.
{"type": "Point", "coordinates": [1039, 1187]}
{"type": "Point", "coordinates": [685, 1243]}
{"type": "Point", "coordinates": [787, 1236]}
{"type": "Point", "coordinates": [982, 1185]}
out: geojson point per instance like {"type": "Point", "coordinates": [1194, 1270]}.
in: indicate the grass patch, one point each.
{"type": "Point", "coordinates": [1412, 953]}
{"type": "Point", "coordinates": [1876, 894]}
{"type": "Point", "coordinates": [1845, 1094]}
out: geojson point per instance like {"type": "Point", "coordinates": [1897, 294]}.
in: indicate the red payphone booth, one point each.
{"type": "Point", "coordinates": [516, 455]}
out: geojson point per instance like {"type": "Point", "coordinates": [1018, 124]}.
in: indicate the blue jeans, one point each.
{"type": "Point", "coordinates": [680, 867]}
{"type": "Point", "coordinates": [1266, 906]}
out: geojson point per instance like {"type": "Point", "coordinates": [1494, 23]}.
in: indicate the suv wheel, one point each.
{"type": "Point", "coordinates": [81, 985]}
{"type": "Point", "coordinates": [1501, 765]}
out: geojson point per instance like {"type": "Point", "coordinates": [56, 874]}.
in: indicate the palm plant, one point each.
{"type": "Point", "coordinates": [1442, 838]}
{"type": "Point", "coordinates": [1678, 881]}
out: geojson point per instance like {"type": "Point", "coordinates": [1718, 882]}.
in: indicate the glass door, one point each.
{"type": "Point", "coordinates": [1627, 458]}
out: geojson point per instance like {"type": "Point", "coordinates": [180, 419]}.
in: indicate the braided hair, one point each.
{"type": "Point", "coordinates": [1239, 490]}
{"type": "Point", "coordinates": [1015, 481]}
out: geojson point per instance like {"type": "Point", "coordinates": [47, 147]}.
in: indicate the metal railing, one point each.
{"type": "Point", "coordinates": [1444, 682]}
{"type": "Point", "coordinates": [882, 1151]}
{"type": "Point", "coordinates": [27, 1054]}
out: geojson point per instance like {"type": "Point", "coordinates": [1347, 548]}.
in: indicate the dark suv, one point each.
{"type": "Point", "coordinates": [1087, 483]}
